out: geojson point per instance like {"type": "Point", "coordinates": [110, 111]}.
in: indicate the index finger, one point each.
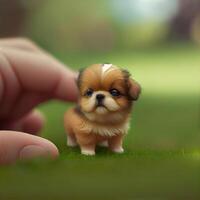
{"type": "Point", "coordinates": [40, 73]}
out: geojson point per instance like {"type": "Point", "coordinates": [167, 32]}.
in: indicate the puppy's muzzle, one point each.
{"type": "Point", "coordinates": [99, 99]}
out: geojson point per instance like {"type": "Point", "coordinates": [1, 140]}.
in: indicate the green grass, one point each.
{"type": "Point", "coordinates": [162, 149]}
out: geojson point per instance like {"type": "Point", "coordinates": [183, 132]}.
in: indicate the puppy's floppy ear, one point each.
{"type": "Point", "coordinates": [79, 78]}
{"type": "Point", "coordinates": [134, 89]}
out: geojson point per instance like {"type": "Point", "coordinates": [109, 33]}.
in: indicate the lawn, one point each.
{"type": "Point", "coordinates": [162, 149]}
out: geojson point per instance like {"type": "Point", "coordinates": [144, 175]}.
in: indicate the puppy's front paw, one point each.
{"type": "Point", "coordinates": [88, 152]}
{"type": "Point", "coordinates": [118, 150]}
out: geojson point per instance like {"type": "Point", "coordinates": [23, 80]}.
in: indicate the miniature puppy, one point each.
{"type": "Point", "coordinates": [102, 115]}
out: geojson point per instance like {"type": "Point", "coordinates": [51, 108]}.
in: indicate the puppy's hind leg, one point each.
{"type": "Point", "coordinates": [103, 143]}
{"type": "Point", "coordinates": [87, 144]}
{"type": "Point", "coordinates": [115, 144]}
{"type": "Point", "coordinates": [71, 140]}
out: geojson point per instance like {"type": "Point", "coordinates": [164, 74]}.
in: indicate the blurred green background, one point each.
{"type": "Point", "coordinates": [158, 42]}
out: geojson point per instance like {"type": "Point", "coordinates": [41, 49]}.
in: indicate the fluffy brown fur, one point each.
{"type": "Point", "coordinates": [102, 115]}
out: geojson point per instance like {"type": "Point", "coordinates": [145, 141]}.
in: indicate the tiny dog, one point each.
{"type": "Point", "coordinates": [102, 116]}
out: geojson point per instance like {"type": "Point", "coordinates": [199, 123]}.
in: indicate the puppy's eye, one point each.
{"type": "Point", "coordinates": [89, 92]}
{"type": "Point", "coordinates": [115, 92]}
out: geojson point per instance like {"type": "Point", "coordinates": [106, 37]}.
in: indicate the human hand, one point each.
{"type": "Point", "coordinates": [28, 77]}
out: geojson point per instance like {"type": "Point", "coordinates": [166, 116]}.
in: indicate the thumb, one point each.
{"type": "Point", "coordinates": [21, 146]}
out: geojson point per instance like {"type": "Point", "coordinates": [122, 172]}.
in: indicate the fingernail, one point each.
{"type": "Point", "coordinates": [34, 151]}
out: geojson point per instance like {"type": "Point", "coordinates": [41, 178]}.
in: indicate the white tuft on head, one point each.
{"type": "Point", "coordinates": [105, 67]}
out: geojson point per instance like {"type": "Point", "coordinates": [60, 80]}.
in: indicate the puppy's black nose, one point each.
{"type": "Point", "coordinates": [100, 97]}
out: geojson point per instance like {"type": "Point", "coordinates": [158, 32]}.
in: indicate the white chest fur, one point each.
{"type": "Point", "coordinates": [106, 130]}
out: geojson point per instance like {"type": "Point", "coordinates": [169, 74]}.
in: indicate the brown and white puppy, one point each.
{"type": "Point", "coordinates": [102, 115]}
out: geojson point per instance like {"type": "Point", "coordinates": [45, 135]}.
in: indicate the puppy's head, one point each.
{"type": "Point", "coordinates": [105, 88]}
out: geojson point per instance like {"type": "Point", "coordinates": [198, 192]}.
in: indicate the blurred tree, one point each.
{"type": "Point", "coordinates": [13, 14]}
{"type": "Point", "coordinates": [72, 25]}
{"type": "Point", "coordinates": [181, 25]}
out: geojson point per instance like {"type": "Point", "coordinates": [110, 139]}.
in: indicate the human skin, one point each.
{"type": "Point", "coordinates": [28, 77]}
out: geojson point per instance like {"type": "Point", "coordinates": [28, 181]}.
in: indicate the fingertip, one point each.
{"type": "Point", "coordinates": [67, 88]}
{"type": "Point", "coordinates": [21, 146]}
{"type": "Point", "coordinates": [48, 150]}
{"type": "Point", "coordinates": [34, 122]}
